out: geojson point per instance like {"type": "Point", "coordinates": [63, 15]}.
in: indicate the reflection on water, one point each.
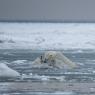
{"type": "Point", "coordinates": [48, 81]}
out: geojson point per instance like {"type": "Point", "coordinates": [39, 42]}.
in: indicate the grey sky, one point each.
{"type": "Point", "coordinates": [47, 10]}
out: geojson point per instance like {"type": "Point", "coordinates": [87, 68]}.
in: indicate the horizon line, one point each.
{"type": "Point", "coordinates": [47, 21]}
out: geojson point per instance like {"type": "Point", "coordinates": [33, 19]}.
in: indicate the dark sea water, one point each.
{"type": "Point", "coordinates": [49, 81]}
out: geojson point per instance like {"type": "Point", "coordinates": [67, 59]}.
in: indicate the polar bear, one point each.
{"type": "Point", "coordinates": [7, 72]}
{"type": "Point", "coordinates": [55, 59]}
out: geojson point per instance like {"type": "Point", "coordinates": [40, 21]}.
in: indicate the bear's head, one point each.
{"type": "Point", "coordinates": [50, 55]}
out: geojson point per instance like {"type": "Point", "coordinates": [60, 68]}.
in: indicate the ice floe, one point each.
{"type": "Point", "coordinates": [7, 72]}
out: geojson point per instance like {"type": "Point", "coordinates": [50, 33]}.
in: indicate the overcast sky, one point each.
{"type": "Point", "coordinates": [62, 10]}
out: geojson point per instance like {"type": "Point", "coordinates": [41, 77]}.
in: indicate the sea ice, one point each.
{"type": "Point", "coordinates": [5, 71]}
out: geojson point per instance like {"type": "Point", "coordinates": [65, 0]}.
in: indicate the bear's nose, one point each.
{"type": "Point", "coordinates": [45, 60]}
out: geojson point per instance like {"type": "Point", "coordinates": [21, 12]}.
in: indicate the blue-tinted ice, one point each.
{"type": "Point", "coordinates": [48, 81]}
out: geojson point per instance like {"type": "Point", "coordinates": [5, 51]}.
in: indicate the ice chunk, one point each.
{"type": "Point", "coordinates": [5, 71]}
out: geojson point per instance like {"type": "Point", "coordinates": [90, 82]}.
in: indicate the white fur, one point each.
{"type": "Point", "coordinates": [60, 61]}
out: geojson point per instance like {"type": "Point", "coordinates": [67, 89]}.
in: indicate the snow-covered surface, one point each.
{"type": "Point", "coordinates": [5, 71]}
{"type": "Point", "coordinates": [42, 36]}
